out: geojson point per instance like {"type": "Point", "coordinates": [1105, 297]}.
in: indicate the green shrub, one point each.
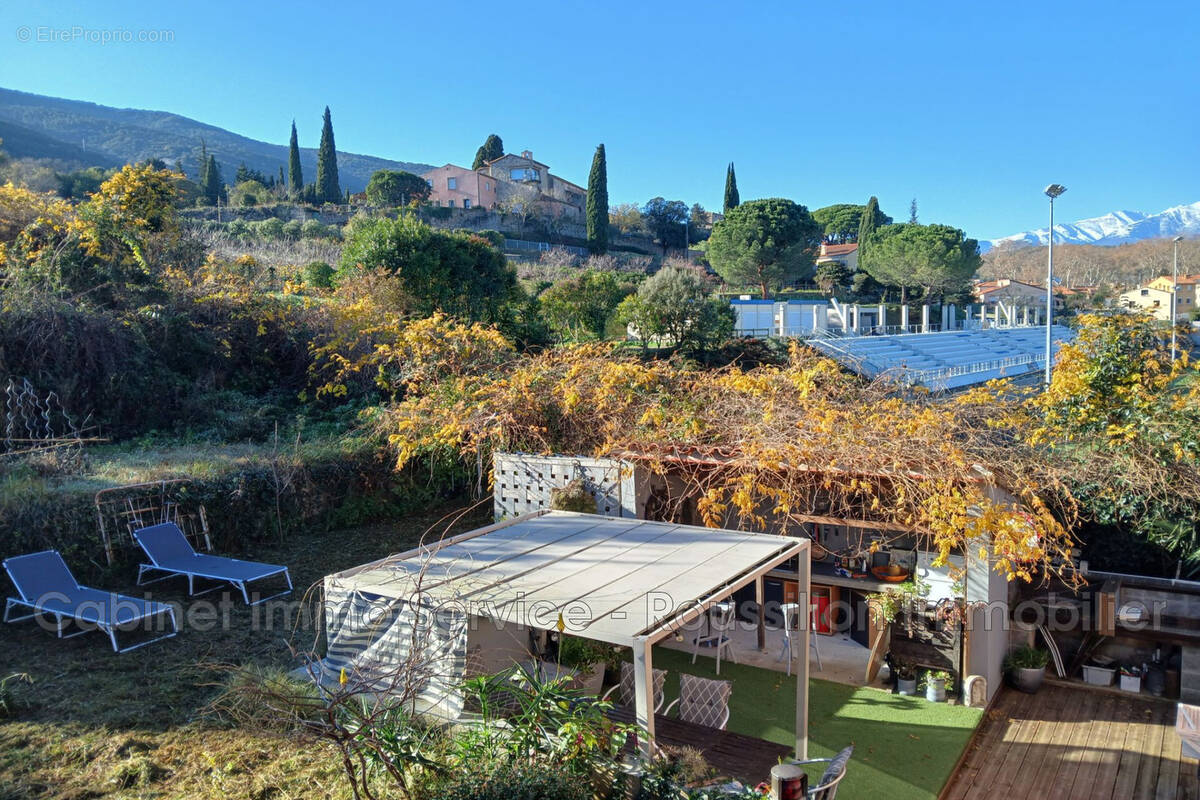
{"type": "Point", "coordinates": [269, 228]}
{"type": "Point", "coordinates": [518, 782]}
{"type": "Point", "coordinates": [317, 274]}
{"type": "Point", "coordinates": [8, 699]}
{"type": "Point", "coordinates": [292, 229]}
{"type": "Point", "coordinates": [1026, 658]}
{"type": "Point", "coordinates": [314, 229]}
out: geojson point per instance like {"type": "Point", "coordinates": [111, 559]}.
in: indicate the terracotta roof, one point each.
{"type": "Point", "coordinates": [837, 249]}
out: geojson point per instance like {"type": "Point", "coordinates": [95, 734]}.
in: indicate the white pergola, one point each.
{"type": "Point", "coordinates": [627, 582]}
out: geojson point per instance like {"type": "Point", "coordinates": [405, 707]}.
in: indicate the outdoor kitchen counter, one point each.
{"type": "Point", "coordinates": [823, 575]}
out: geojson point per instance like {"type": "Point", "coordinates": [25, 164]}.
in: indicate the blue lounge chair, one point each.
{"type": "Point", "coordinates": [47, 587]}
{"type": "Point", "coordinates": [170, 552]}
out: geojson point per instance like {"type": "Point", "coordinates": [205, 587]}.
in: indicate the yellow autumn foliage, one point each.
{"type": "Point", "coordinates": [773, 441]}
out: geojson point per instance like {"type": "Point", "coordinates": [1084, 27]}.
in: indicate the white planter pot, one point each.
{"type": "Point", "coordinates": [935, 691]}
{"type": "Point", "coordinates": [1131, 683]}
{"type": "Point", "coordinates": [906, 688]}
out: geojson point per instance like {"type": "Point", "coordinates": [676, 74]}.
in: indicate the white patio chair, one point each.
{"type": "Point", "coordinates": [627, 691]}
{"type": "Point", "coordinates": [721, 623]}
{"type": "Point", "coordinates": [826, 787]}
{"type": "Point", "coordinates": [791, 627]}
{"type": "Point", "coordinates": [703, 701]}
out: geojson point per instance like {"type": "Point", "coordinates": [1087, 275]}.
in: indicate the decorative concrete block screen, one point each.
{"type": "Point", "coordinates": [523, 483]}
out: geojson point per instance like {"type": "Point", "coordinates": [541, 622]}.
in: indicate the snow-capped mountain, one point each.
{"type": "Point", "coordinates": [1118, 227]}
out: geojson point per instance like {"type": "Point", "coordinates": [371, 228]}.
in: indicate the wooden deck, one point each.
{"type": "Point", "coordinates": [732, 755]}
{"type": "Point", "coordinates": [1066, 742]}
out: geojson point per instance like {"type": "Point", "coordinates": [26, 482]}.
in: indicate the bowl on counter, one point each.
{"type": "Point", "coordinates": [891, 573]}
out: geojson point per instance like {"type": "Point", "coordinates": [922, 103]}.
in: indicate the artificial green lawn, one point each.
{"type": "Point", "coordinates": [904, 747]}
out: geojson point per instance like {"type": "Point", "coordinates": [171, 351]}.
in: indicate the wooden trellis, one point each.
{"type": "Point", "coordinates": [122, 510]}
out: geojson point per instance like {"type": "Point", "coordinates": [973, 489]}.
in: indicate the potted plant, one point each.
{"type": "Point", "coordinates": [935, 685]}
{"type": "Point", "coordinates": [1026, 667]}
{"type": "Point", "coordinates": [588, 659]}
{"type": "Point", "coordinates": [906, 677]}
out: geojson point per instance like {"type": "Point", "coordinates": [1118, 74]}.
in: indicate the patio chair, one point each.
{"type": "Point", "coordinates": [791, 626]}
{"type": "Point", "coordinates": [835, 769]}
{"type": "Point", "coordinates": [47, 586]}
{"type": "Point", "coordinates": [721, 622]}
{"type": "Point", "coordinates": [703, 701]}
{"type": "Point", "coordinates": [626, 689]}
{"type": "Point", "coordinates": [170, 552]}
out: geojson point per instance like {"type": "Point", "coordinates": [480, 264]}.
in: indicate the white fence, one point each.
{"type": "Point", "coordinates": [523, 483]}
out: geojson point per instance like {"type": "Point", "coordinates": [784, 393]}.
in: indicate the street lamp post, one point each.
{"type": "Point", "coordinates": [1052, 191]}
{"type": "Point", "coordinates": [1174, 292]}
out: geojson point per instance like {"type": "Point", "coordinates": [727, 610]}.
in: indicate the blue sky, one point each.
{"type": "Point", "coordinates": [971, 107]}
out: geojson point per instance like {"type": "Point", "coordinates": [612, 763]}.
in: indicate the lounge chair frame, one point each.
{"type": "Point", "coordinates": [241, 584]}
{"type": "Point", "coordinates": [61, 619]}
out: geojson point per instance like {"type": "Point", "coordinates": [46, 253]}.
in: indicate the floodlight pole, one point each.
{"type": "Point", "coordinates": [1174, 293]}
{"type": "Point", "coordinates": [1052, 191]}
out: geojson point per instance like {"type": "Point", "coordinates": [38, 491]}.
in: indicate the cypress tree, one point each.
{"type": "Point", "coordinates": [732, 200]}
{"type": "Point", "coordinates": [282, 181]}
{"type": "Point", "coordinates": [491, 149]}
{"type": "Point", "coordinates": [597, 203]}
{"type": "Point", "coordinates": [203, 163]}
{"type": "Point", "coordinates": [211, 183]}
{"type": "Point", "coordinates": [295, 181]}
{"type": "Point", "coordinates": [866, 226]}
{"type": "Point", "coordinates": [328, 190]}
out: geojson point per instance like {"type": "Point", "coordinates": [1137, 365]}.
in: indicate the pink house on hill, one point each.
{"type": "Point", "coordinates": [459, 187]}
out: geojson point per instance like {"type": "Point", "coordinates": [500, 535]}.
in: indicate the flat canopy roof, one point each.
{"type": "Point", "coordinates": [611, 579]}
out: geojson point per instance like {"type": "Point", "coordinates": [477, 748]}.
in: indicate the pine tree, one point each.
{"type": "Point", "coordinates": [732, 200]}
{"type": "Point", "coordinates": [597, 203]}
{"type": "Point", "coordinates": [868, 223]}
{"type": "Point", "coordinates": [328, 190]}
{"type": "Point", "coordinates": [211, 183]}
{"type": "Point", "coordinates": [491, 149]}
{"type": "Point", "coordinates": [295, 181]}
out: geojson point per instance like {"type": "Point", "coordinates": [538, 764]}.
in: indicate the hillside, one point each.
{"type": "Point", "coordinates": [1089, 265]}
{"type": "Point", "coordinates": [21, 142]}
{"type": "Point", "coordinates": [36, 126]}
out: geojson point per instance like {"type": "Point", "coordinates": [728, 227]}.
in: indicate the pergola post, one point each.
{"type": "Point", "coordinates": [760, 600]}
{"type": "Point", "coordinates": [804, 584]}
{"type": "Point", "coordinates": [643, 686]}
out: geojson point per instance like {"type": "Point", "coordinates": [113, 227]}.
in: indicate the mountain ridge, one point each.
{"type": "Point", "coordinates": [1111, 229]}
{"type": "Point", "coordinates": [79, 130]}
